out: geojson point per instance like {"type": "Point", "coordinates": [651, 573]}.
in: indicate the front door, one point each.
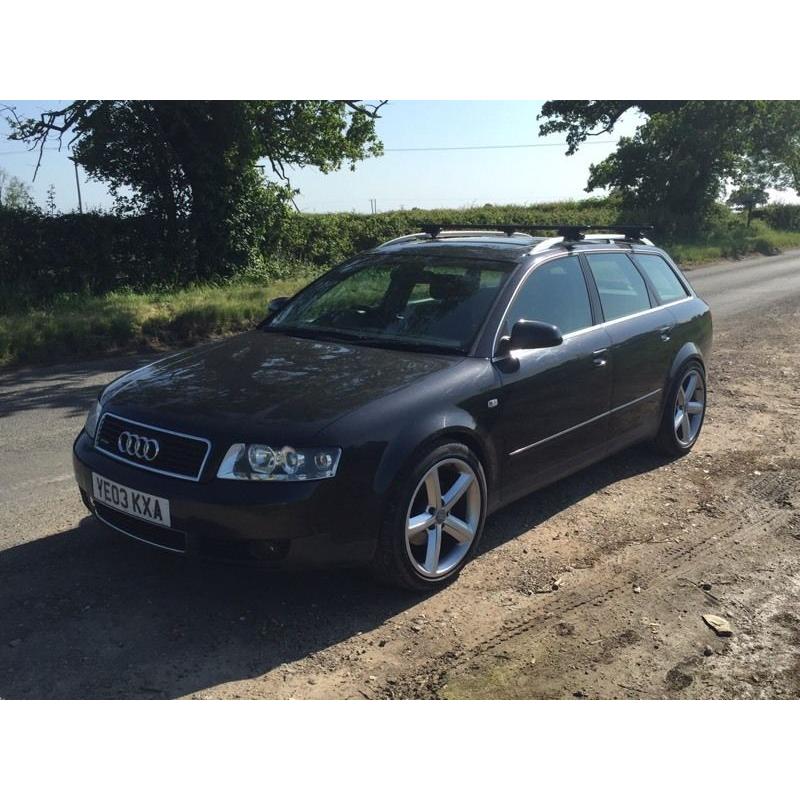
{"type": "Point", "coordinates": [554, 401]}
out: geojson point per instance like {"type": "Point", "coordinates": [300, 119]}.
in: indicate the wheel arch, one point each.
{"type": "Point", "coordinates": [399, 460]}
{"type": "Point", "coordinates": [473, 441]}
{"type": "Point", "coordinates": [688, 352]}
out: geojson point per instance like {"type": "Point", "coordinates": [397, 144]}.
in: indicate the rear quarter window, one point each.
{"type": "Point", "coordinates": [666, 283]}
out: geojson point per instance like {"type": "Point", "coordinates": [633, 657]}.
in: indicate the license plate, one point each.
{"type": "Point", "coordinates": [131, 501]}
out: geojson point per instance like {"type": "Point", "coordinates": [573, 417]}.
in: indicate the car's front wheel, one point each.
{"type": "Point", "coordinates": [434, 520]}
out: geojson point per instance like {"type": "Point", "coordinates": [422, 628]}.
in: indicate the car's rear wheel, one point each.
{"type": "Point", "coordinates": [434, 520]}
{"type": "Point", "coordinates": [684, 411]}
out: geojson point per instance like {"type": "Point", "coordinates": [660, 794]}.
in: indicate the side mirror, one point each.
{"type": "Point", "coordinates": [276, 304]}
{"type": "Point", "coordinates": [530, 335]}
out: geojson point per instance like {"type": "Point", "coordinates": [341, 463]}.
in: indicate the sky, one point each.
{"type": "Point", "coordinates": [506, 161]}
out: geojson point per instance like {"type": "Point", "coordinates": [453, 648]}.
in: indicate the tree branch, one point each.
{"type": "Point", "coordinates": [363, 108]}
{"type": "Point", "coordinates": [38, 132]}
{"type": "Point", "coordinates": [13, 111]}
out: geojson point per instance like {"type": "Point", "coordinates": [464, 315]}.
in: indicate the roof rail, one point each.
{"type": "Point", "coordinates": [614, 237]}
{"type": "Point", "coordinates": [407, 238]}
{"type": "Point", "coordinates": [434, 229]}
{"type": "Point", "coordinates": [478, 231]}
{"type": "Point", "coordinates": [630, 233]}
{"type": "Point", "coordinates": [564, 232]}
{"type": "Point", "coordinates": [572, 233]}
{"type": "Point", "coordinates": [546, 244]}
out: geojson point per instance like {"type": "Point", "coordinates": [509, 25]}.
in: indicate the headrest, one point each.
{"type": "Point", "coordinates": [452, 287]}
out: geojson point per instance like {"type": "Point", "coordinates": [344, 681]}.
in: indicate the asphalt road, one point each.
{"type": "Point", "coordinates": [732, 288]}
{"type": "Point", "coordinates": [44, 531]}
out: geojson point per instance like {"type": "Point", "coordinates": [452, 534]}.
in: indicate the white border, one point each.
{"type": "Point", "coordinates": [352, 48]}
{"type": "Point", "coordinates": [415, 50]}
{"type": "Point", "coordinates": [568, 749]}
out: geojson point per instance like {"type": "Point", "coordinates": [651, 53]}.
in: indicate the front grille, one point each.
{"type": "Point", "coordinates": [139, 529]}
{"type": "Point", "coordinates": [179, 455]}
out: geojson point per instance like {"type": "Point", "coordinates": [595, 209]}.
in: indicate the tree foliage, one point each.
{"type": "Point", "coordinates": [194, 165]}
{"type": "Point", "coordinates": [15, 194]}
{"type": "Point", "coordinates": [748, 197]}
{"type": "Point", "coordinates": [684, 153]}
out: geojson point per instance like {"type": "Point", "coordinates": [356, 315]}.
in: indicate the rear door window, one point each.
{"type": "Point", "coordinates": [664, 280]}
{"type": "Point", "coordinates": [621, 288]}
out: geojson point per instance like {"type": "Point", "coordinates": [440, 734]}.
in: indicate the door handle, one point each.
{"type": "Point", "coordinates": [599, 357]}
{"type": "Point", "coordinates": [665, 332]}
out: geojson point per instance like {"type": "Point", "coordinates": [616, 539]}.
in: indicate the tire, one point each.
{"type": "Point", "coordinates": [409, 558]}
{"type": "Point", "coordinates": [675, 439]}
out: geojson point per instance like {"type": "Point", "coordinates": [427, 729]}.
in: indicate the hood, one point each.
{"type": "Point", "coordinates": [264, 382]}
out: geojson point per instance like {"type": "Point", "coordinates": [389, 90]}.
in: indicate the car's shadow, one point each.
{"type": "Point", "coordinates": [69, 388]}
{"type": "Point", "coordinates": [87, 613]}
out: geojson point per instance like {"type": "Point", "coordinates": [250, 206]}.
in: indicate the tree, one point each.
{"type": "Point", "coordinates": [681, 155]}
{"type": "Point", "coordinates": [15, 194]}
{"type": "Point", "coordinates": [194, 165]}
{"type": "Point", "coordinates": [50, 205]}
{"type": "Point", "coordinates": [747, 197]}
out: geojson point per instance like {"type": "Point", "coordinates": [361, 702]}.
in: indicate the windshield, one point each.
{"type": "Point", "coordinates": [433, 303]}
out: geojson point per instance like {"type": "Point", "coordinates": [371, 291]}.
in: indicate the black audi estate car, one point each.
{"type": "Point", "coordinates": [381, 413]}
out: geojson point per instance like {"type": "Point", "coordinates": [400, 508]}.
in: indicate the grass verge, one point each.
{"type": "Point", "coordinates": [79, 326]}
{"type": "Point", "coordinates": [735, 241]}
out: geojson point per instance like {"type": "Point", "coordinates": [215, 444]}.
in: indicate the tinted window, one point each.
{"type": "Point", "coordinates": [660, 274]}
{"type": "Point", "coordinates": [556, 293]}
{"type": "Point", "coordinates": [622, 289]}
{"type": "Point", "coordinates": [399, 301]}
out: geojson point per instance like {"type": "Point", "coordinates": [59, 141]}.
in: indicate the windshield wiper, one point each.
{"type": "Point", "coordinates": [292, 330]}
{"type": "Point", "coordinates": [315, 333]}
{"type": "Point", "coordinates": [366, 339]}
{"type": "Point", "coordinates": [417, 346]}
{"type": "Point", "coordinates": [399, 343]}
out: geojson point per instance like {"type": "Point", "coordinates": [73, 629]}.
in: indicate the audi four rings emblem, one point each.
{"type": "Point", "coordinates": [140, 446]}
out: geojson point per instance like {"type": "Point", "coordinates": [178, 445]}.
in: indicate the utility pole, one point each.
{"type": "Point", "coordinates": [77, 184]}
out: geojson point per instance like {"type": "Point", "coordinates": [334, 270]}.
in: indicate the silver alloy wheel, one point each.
{"type": "Point", "coordinates": [443, 517]}
{"type": "Point", "coordinates": [689, 407]}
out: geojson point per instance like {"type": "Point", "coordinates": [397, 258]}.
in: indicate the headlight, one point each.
{"type": "Point", "coordinates": [92, 418]}
{"type": "Point", "coordinates": [260, 462]}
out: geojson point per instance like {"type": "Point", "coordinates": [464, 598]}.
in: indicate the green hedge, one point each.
{"type": "Point", "coordinates": [328, 238]}
{"type": "Point", "coordinates": [41, 256]}
{"type": "Point", "coordinates": [44, 257]}
{"type": "Point", "coordinates": [781, 216]}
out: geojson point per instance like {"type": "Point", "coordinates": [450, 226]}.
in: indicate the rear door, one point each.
{"type": "Point", "coordinates": [641, 345]}
{"type": "Point", "coordinates": [554, 401]}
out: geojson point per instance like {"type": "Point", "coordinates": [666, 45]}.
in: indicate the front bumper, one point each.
{"type": "Point", "coordinates": [292, 524]}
